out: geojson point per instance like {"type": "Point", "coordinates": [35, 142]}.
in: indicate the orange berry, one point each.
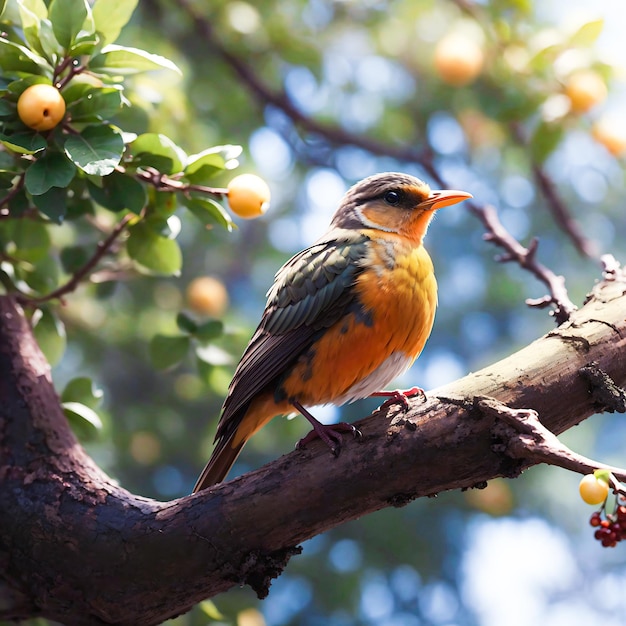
{"type": "Point", "coordinates": [458, 59]}
{"type": "Point", "coordinates": [248, 196]}
{"type": "Point", "coordinates": [41, 106]}
{"type": "Point", "coordinates": [207, 295]}
{"type": "Point", "coordinates": [610, 135]}
{"type": "Point", "coordinates": [593, 490]}
{"type": "Point", "coordinates": [585, 89]}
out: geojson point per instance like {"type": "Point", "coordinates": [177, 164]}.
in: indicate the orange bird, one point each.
{"type": "Point", "coordinates": [343, 318]}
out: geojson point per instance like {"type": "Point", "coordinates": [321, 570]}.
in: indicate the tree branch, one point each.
{"type": "Point", "coordinates": [526, 258]}
{"type": "Point", "coordinates": [76, 547]}
{"type": "Point", "coordinates": [101, 249]}
{"type": "Point", "coordinates": [525, 438]}
{"type": "Point", "coordinates": [163, 182]}
{"type": "Point", "coordinates": [561, 213]}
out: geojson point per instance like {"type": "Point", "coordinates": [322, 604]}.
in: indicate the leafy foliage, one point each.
{"type": "Point", "coordinates": [88, 164]}
{"type": "Point", "coordinates": [363, 73]}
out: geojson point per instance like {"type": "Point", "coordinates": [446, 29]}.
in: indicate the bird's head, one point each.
{"type": "Point", "coordinates": [394, 203]}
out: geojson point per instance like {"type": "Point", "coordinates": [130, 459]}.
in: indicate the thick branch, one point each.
{"type": "Point", "coordinates": [77, 548]}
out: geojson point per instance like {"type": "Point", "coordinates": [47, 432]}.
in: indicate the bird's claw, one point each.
{"type": "Point", "coordinates": [330, 434]}
{"type": "Point", "coordinates": [400, 396]}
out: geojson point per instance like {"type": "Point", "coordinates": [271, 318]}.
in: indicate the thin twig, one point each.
{"type": "Point", "coordinates": [526, 258]}
{"type": "Point", "coordinates": [163, 182]}
{"type": "Point", "coordinates": [101, 249]}
{"type": "Point", "coordinates": [60, 68]}
{"type": "Point", "coordinates": [10, 195]}
{"type": "Point", "coordinates": [561, 213]}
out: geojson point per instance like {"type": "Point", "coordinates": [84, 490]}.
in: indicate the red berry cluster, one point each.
{"type": "Point", "coordinates": [611, 530]}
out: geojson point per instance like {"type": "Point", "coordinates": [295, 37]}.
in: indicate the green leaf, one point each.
{"type": "Point", "coordinates": [158, 151]}
{"type": "Point", "coordinates": [97, 150]}
{"type": "Point", "coordinates": [17, 58]}
{"type": "Point", "coordinates": [203, 166]}
{"type": "Point", "coordinates": [544, 141]}
{"type": "Point", "coordinates": [155, 252]}
{"type": "Point", "coordinates": [53, 203]}
{"type": "Point", "coordinates": [50, 335]}
{"type": "Point", "coordinates": [17, 87]}
{"type": "Point", "coordinates": [85, 45]}
{"type": "Point", "coordinates": [19, 204]}
{"type": "Point", "coordinates": [32, 12]}
{"type": "Point", "coordinates": [51, 170]}
{"type": "Point", "coordinates": [30, 240]}
{"type": "Point", "coordinates": [86, 103]}
{"type": "Point", "coordinates": [6, 179]}
{"type": "Point", "coordinates": [122, 60]}
{"type": "Point", "coordinates": [186, 324]}
{"type": "Point", "coordinates": [67, 17]}
{"type": "Point", "coordinates": [208, 211]}
{"type": "Point", "coordinates": [73, 258]}
{"type": "Point", "coordinates": [167, 351]}
{"type": "Point", "coordinates": [52, 49]}
{"type": "Point", "coordinates": [83, 390]}
{"type": "Point", "coordinates": [79, 416]}
{"type": "Point", "coordinates": [24, 142]}
{"type": "Point", "coordinates": [118, 192]}
{"type": "Point", "coordinates": [41, 276]}
{"type": "Point", "coordinates": [110, 16]}
{"type": "Point", "coordinates": [36, 7]}
{"type": "Point", "coordinates": [7, 109]}
{"type": "Point", "coordinates": [209, 331]}
{"type": "Point", "coordinates": [77, 207]}
{"type": "Point", "coordinates": [3, 4]}
{"type": "Point", "coordinates": [587, 34]}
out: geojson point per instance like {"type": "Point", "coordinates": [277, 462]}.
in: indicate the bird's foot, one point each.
{"type": "Point", "coordinates": [330, 434]}
{"type": "Point", "coordinates": [400, 396]}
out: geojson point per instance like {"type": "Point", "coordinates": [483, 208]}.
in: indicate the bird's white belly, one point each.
{"type": "Point", "coordinates": [390, 368]}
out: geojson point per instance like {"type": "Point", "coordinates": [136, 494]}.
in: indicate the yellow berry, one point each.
{"type": "Point", "coordinates": [248, 196]}
{"type": "Point", "coordinates": [593, 490]}
{"type": "Point", "coordinates": [611, 135]}
{"type": "Point", "coordinates": [458, 60]}
{"type": "Point", "coordinates": [207, 295]}
{"type": "Point", "coordinates": [585, 89]}
{"type": "Point", "coordinates": [41, 107]}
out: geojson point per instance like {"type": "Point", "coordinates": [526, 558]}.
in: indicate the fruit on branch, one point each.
{"type": "Point", "coordinates": [458, 59]}
{"type": "Point", "coordinates": [248, 196]}
{"type": "Point", "coordinates": [593, 490]}
{"type": "Point", "coordinates": [41, 107]}
{"type": "Point", "coordinates": [585, 89]}
{"type": "Point", "coordinates": [207, 295]}
{"type": "Point", "coordinates": [611, 136]}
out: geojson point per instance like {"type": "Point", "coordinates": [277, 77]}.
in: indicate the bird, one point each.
{"type": "Point", "coordinates": [344, 317]}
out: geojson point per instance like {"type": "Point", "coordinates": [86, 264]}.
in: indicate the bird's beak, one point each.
{"type": "Point", "coordinates": [442, 198]}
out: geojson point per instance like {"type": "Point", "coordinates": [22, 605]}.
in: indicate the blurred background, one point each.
{"type": "Point", "coordinates": [493, 93]}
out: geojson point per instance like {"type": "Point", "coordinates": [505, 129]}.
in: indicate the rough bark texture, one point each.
{"type": "Point", "coordinates": [77, 548]}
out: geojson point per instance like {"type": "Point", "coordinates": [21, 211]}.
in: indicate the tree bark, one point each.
{"type": "Point", "coordinates": [77, 548]}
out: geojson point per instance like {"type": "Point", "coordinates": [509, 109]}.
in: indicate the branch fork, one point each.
{"type": "Point", "coordinates": [523, 437]}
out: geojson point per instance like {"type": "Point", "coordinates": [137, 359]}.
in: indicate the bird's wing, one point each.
{"type": "Point", "coordinates": [311, 292]}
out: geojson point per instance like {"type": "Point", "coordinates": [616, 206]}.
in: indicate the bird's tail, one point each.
{"type": "Point", "coordinates": [220, 462]}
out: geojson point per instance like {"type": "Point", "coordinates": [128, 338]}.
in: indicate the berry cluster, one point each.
{"type": "Point", "coordinates": [612, 529]}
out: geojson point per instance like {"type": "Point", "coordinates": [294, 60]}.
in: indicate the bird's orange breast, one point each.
{"type": "Point", "coordinates": [397, 293]}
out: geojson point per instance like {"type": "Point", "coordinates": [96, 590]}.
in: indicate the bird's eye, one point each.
{"type": "Point", "coordinates": [392, 198]}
